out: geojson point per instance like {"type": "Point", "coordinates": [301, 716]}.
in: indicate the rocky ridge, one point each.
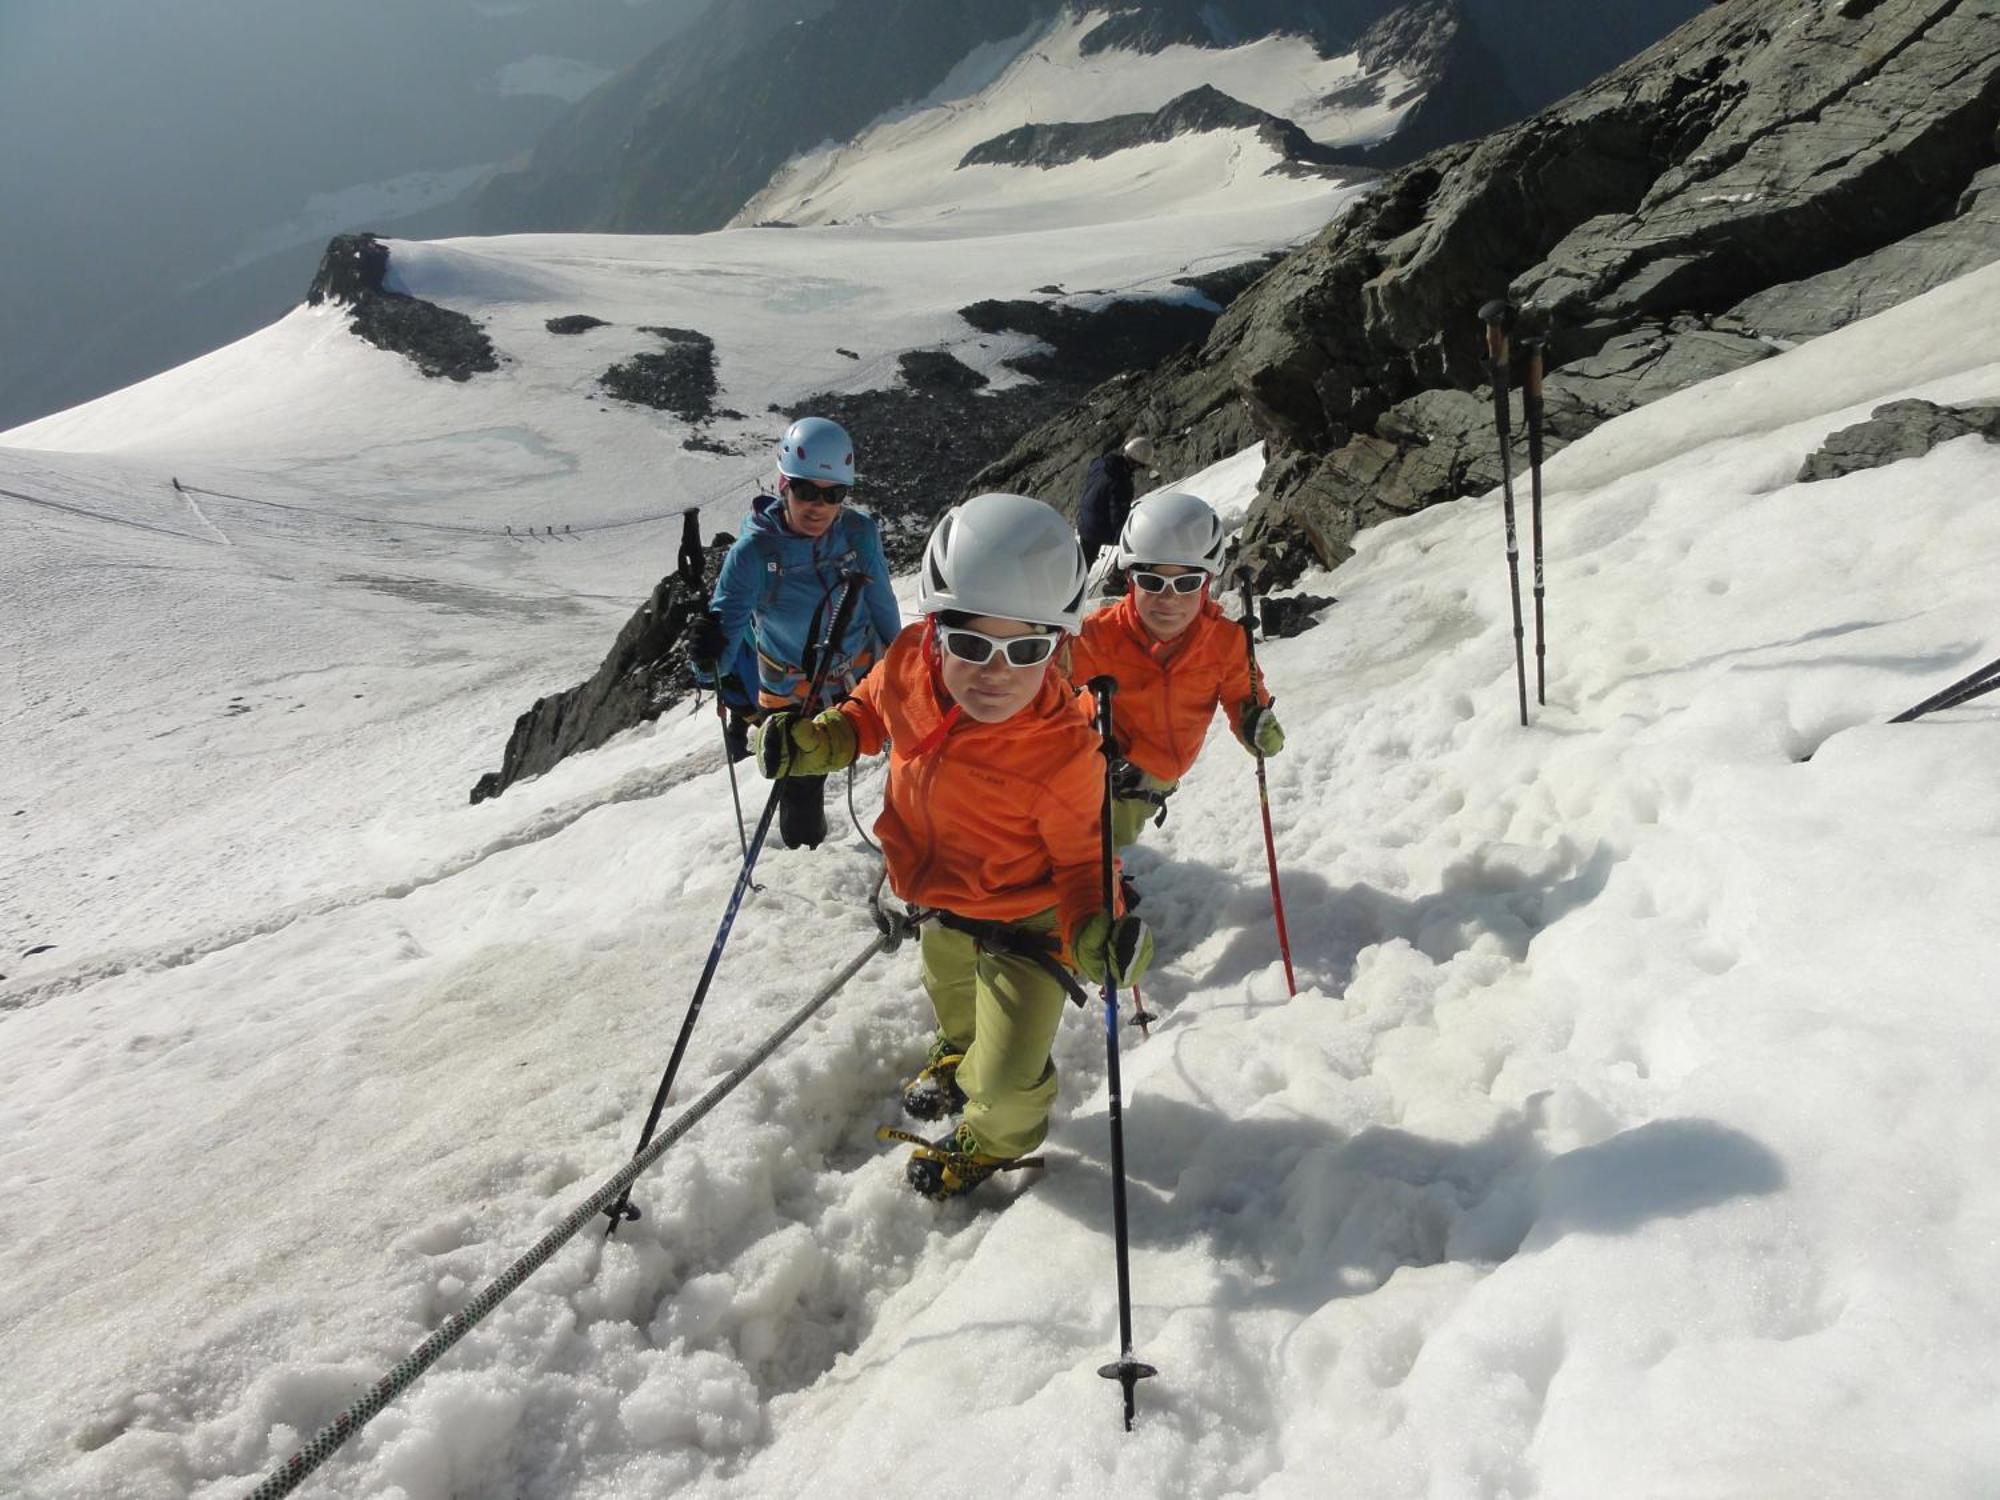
{"type": "Point", "coordinates": [1200, 109]}
{"type": "Point", "coordinates": [435, 339]}
{"type": "Point", "coordinates": [1770, 170]}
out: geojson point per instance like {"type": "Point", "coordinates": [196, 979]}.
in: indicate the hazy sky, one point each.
{"type": "Point", "coordinates": [148, 143]}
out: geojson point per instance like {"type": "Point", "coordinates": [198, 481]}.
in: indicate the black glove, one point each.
{"type": "Point", "coordinates": [705, 641]}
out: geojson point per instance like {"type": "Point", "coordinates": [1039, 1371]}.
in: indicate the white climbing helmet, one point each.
{"type": "Point", "coordinates": [814, 448]}
{"type": "Point", "coordinates": [1008, 556]}
{"type": "Point", "coordinates": [1174, 527]}
{"type": "Point", "coordinates": [1140, 450]}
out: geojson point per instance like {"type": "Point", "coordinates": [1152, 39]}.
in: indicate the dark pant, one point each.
{"type": "Point", "coordinates": [736, 735]}
{"type": "Point", "coordinates": [802, 811]}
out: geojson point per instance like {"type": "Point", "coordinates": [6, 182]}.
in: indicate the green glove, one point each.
{"type": "Point", "coordinates": [1261, 730]}
{"type": "Point", "coordinates": [1113, 950]}
{"type": "Point", "coordinates": [787, 745]}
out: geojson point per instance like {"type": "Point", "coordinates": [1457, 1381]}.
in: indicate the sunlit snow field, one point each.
{"type": "Point", "coordinates": [1631, 1134]}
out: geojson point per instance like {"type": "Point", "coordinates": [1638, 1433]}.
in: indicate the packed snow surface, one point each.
{"type": "Point", "coordinates": [1632, 1132]}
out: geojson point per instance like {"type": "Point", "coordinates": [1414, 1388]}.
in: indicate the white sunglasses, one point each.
{"type": "Point", "coordinates": [977, 647]}
{"type": "Point", "coordinates": [1159, 583]}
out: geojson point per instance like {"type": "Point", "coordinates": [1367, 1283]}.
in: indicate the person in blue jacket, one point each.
{"type": "Point", "coordinates": [775, 596]}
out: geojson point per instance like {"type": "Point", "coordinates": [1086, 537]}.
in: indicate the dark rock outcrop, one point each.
{"type": "Point", "coordinates": [1284, 615]}
{"type": "Point", "coordinates": [1895, 431]}
{"type": "Point", "coordinates": [1222, 287]}
{"type": "Point", "coordinates": [435, 339]}
{"type": "Point", "coordinates": [574, 323]}
{"type": "Point", "coordinates": [645, 674]}
{"type": "Point", "coordinates": [938, 370]}
{"type": "Point", "coordinates": [1199, 110]}
{"type": "Point", "coordinates": [1092, 343]}
{"type": "Point", "coordinates": [1653, 220]}
{"type": "Point", "coordinates": [679, 378]}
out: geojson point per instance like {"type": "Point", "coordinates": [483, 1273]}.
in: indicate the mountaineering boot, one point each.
{"type": "Point", "coordinates": [953, 1166]}
{"type": "Point", "coordinates": [934, 1092]}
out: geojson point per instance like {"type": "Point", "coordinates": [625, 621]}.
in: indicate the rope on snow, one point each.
{"type": "Point", "coordinates": [293, 1472]}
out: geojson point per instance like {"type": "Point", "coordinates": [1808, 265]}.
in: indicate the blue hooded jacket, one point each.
{"type": "Point", "coordinates": [776, 592]}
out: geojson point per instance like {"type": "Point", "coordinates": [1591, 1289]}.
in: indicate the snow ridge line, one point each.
{"type": "Point", "coordinates": [457, 528]}
{"type": "Point", "coordinates": [164, 957]}
{"type": "Point", "coordinates": [328, 1440]}
{"type": "Point", "coordinates": [98, 515]}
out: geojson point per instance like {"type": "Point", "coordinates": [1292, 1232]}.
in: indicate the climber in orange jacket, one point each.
{"type": "Point", "coordinates": [1175, 655]}
{"type": "Point", "coordinates": [990, 819]}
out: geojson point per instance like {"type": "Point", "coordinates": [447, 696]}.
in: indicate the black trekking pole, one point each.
{"type": "Point", "coordinates": [1531, 408]}
{"type": "Point", "coordinates": [1498, 315]}
{"type": "Point", "coordinates": [1966, 694]}
{"type": "Point", "coordinates": [1126, 1370]}
{"type": "Point", "coordinates": [836, 630]}
{"type": "Point", "coordinates": [735, 796]}
{"type": "Point", "coordinates": [1966, 688]}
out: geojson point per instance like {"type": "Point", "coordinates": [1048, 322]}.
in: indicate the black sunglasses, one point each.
{"type": "Point", "coordinates": [1159, 583]}
{"type": "Point", "coordinates": [977, 647]}
{"type": "Point", "coordinates": [820, 494]}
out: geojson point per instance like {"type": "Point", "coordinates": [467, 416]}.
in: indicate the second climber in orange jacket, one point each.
{"type": "Point", "coordinates": [1175, 655]}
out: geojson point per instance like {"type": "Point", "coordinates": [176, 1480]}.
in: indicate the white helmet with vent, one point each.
{"type": "Point", "coordinates": [1173, 527]}
{"type": "Point", "coordinates": [1009, 556]}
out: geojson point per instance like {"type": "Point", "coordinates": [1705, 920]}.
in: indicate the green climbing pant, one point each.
{"type": "Point", "coordinates": [1002, 1011]}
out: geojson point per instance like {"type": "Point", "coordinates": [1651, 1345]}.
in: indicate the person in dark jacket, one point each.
{"type": "Point", "coordinates": [777, 591]}
{"type": "Point", "coordinates": [1107, 495]}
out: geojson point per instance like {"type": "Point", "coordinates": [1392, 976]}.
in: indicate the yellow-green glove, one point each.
{"type": "Point", "coordinates": [1113, 950]}
{"type": "Point", "coordinates": [1261, 730]}
{"type": "Point", "coordinates": [788, 745]}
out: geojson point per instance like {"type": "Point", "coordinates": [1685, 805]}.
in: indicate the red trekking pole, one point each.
{"type": "Point", "coordinates": [1264, 790]}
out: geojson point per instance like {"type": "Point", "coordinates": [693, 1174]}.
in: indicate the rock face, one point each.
{"type": "Point", "coordinates": [1200, 109]}
{"type": "Point", "coordinates": [1769, 169]}
{"type": "Point", "coordinates": [1896, 431]}
{"type": "Point", "coordinates": [679, 379]}
{"type": "Point", "coordinates": [435, 339]}
{"type": "Point", "coordinates": [645, 673]}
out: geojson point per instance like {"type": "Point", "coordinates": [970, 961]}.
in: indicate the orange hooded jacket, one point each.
{"type": "Point", "coordinates": [1167, 690]}
{"type": "Point", "coordinates": [991, 821]}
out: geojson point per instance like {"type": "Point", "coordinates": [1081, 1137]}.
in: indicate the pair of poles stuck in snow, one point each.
{"type": "Point", "coordinates": [1500, 317]}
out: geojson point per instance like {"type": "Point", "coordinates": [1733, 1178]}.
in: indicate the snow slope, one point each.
{"type": "Point", "coordinates": [1631, 1133]}
{"type": "Point", "coordinates": [904, 168]}
{"type": "Point", "coordinates": [369, 510]}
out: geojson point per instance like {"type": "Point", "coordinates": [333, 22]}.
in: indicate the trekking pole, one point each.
{"type": "Point", "coordinates": [1141, 1017]}
{"type": "Point", "coordinates": [1970, 686]}
{"type": "Point", "coordinates": [1965, 695]}
{"type": "Point", "coordinates": [1498, 315]}
{"type": "Point", "coordinates": [836, 629]}
{"type": "Point", "coordinates": [1264, 791]}
{"type": "Point", "coordinates": [722, 718]}
{"type": "Point", "coordinates": [1126, 1370]}
{"type": "Point", "coordinates": [1531, 407]}
{"type": "Point", "coordinates": [688, 569]}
